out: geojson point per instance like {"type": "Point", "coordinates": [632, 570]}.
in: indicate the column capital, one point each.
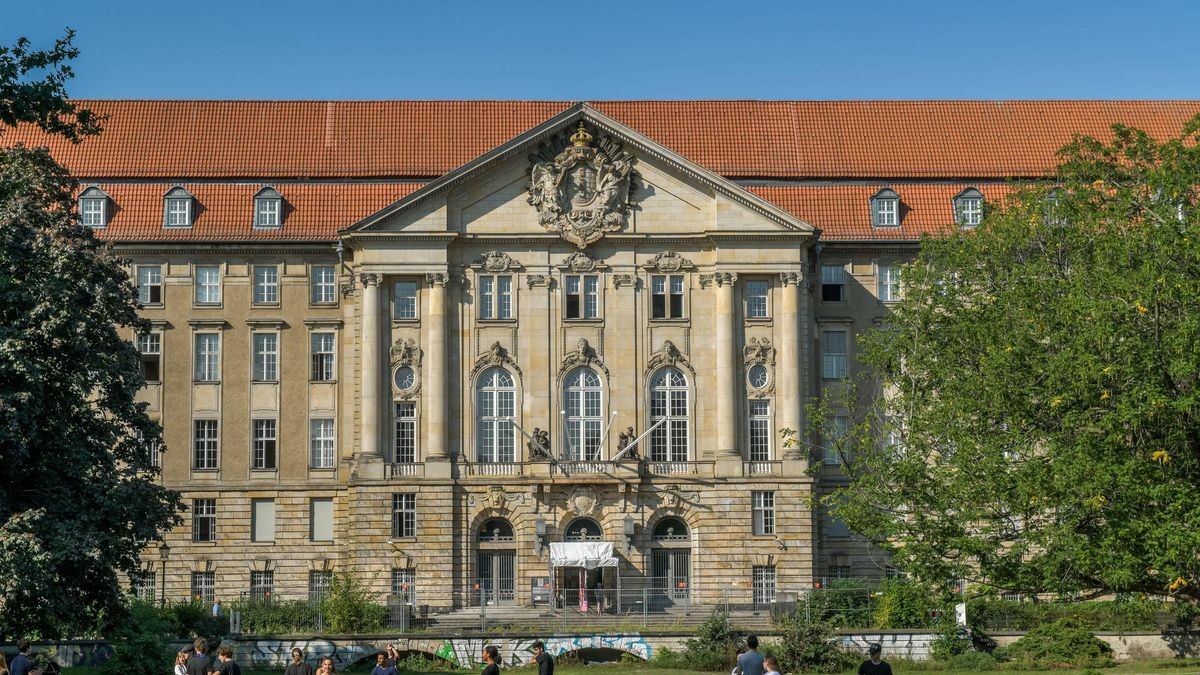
{"type": "Point", "coordinates": [790, 278]}
{"type": "Point", "coordinates": [437, 278]}
{"type": "Point", "coordinates": [368, 279]}
{"type": "Point", "coordinates": [721, 279]}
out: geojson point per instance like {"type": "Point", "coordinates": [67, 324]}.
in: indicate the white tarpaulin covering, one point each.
{"type": "Point", "coordinates": [586, 554]}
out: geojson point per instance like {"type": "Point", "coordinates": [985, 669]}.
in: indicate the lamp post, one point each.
{"type": "Point", "coordinates": [164, 552]}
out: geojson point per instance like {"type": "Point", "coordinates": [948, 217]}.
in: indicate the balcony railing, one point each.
{"type": "Point", "coordinates": [581, 467]}
{"type": "Point", "coordinates": [762, 468]}
{"type": "Point", "coordinates": [675, 468]}
{"type": "Point", "coordinates": [493, 469]}
{"type": "Point", "coordinates": [407, 470]}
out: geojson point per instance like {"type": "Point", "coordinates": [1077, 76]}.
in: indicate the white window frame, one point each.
{"type": "Point", "coordinates": [834, 276]}
{"type": "Point", "coordinates": [264, 349]}
{"type": "Point", "coordinates": [206, 280]}
{"type": "Point", "coordinates": [149, 277]}
{"type": "Point", "coordinates": [206, 357]}
{"type": "Point", "coordinates": [497, 297]}
{"type": "Point", "coordinates": [887, 282]}
{"type": "Point", "coordinates": [757, 306]}
{"type": "Point", "coordinates": [763, 582]}
{"type": "Point", "coordinates": [322, 443]}
{"type": "Point", "coordinates": [322, 285]}
{"type": "Point", "coordinates": [666, 400]}
{"type": "Point", "coordinates": [885, 208]}
{"type": "Point", "coordinates": [499, 400]}
{"type": "Point", "coordinates": [178, 212]}
{"type": "Point", "coordinates": [264, 444]}
{"type": "Point", "coordinates": [319, 582]}
{"type": "Point", "coordinates": [584, 290]}
{"type": "Point", "coordinates": [404, 306]}
{"type": "Point", "coordinates": [968, 208]}
{"type": "Point", "coordinates": [404, 515]}
{"type": "Point", "coordinates": [204, 508]}
{"type": "Point", "coordinates": [668, 287]}
{"type": "Point", "coordinates": [762, 512]}
{"type": "Point", "coordinates": [265, 290]}
{"type": "Point", "coordinates": [758, 426]}
{"type": "Point", "coordinates": [204, 586]}
{"type": "Point", "coordinates": [93, 210]}
{"type": "Point", "coordinates": [835, 365]}
{"type": "Point", "coordinates": [145, 585]}
{"type": "Point", "coordinates": [404, 432]}
{"type": "Point", "coordinates": [835, 431]}
{"type": "Point", "coordinates": [323, 362]}
{"type": "Point", "coordinates": [206, 444]}
{"type": "Point", "coordinates": [262, 584]}
{"type": "Point", "coordinates": [149, 346]}
{"type": "Point", "coordinates": [584, 403]}
{"type": "Point", "coordinates": [268, 212]}
{"type": "Point", "coordinates": [404, 584]}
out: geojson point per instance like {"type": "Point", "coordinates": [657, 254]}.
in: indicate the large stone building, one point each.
{"type": "Point", "coordinates": [417, 340]}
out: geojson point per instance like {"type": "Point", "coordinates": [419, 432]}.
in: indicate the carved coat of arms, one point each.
{"type": "Point", "coordinates": [583, 191]}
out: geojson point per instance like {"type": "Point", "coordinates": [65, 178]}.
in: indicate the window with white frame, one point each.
{"type": "Point", "coordinates": [319, 582]}
{"type": "Point", "coordinates": [834, 360]}
{"type": "Point", "coordinates": [584, 416]}
{"type": "Point", "coordinates": [404, 445]}
{"type": "Point", "coordinates": [404, 584]}
{"type": "Point", "coordinates": [759, 425]}
{"type": "Point", "coordinates": [323, 363]}
{"type": "Point", "coordinates": [669, 400]}
{"type": "Point", "coordinates": [404, 301]}
{"type": "Point", "coordinates": [177, 208]}
{"type": "Point", "coordinates": [266, 357]}
{"type": "Point", "coordinates": [205, 444]}
{"type": "Point", "coordinates": [755, 292]}
{"type": "Point", "coordinates": [268, 208]}
{"type": "Point", "coordinates": [321, 443]}
{"type": "Point", "coordinates": [885, 209]}
{"type": "Point", "coordinates": [833, 283]}
{"type": "Point", "coordinates": [154, 452]}
{"type": "Point", "coordinates": [323, 284]}
{"type": "Point", "coordinates": [404, 515]}
{"type": "Point", "coordinates": [204, 586]}
{"type": "Point", "coordinates": [263, 443]}
{"type": "Point", "coordinates": [968, 208]}
{"type": "Point", "coordinates": [495, 396]}
{"type": "Point", "coordinates": [93, 207]}
{"type": "Point", "coordinates": [266, 285]}
{"type": "Point", "coordinates": [204, 520]}
{"type": "Point", "coordinates": [208, 284]}
{"type": "Point", "coordinates": [582, 296]}
{"type": "Point", "coordinates": [144, 585]}
{"type": "Point", "coordinates": [149, 284]}
{"type": "Point", "coordinates": [666, 296]}
{"type": "Point", "coordinates": [262, 520]}
{"type": "Point", "coordinates": [495, 296]}
{"type": "Point", "coordinates": [763, 511]}
{"type": "Point", "coordinates": [320, 519]}
{"type": "Point", "coordinates": [762, 582]}
{"type": "Point", "coordinates": [208, 357]}
{"type": "Point", "coordinates": [262, 584]}
{"type": "Point", "coordinates": [887, 281]}
{"type": "Point", "coordinates": [835, 433]}
{"type": "Point", "coordinates": [150, 348]}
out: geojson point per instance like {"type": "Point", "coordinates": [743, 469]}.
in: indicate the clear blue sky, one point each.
{"type": "Point", "coordinates": [606, 49]}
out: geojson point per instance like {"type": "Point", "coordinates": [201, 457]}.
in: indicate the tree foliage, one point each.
{"type": "Point", "coordinates": [1038, 386]}
{"type": "Point", "coordinates": [78, 496]}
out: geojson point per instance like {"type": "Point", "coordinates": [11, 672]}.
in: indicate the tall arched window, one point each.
{"type": "Point", "coordinates": [582, 402]}
{"type": "Point", "coordinates": [669, 399]}
{"type": "Point", "coordinates": [495, 394]}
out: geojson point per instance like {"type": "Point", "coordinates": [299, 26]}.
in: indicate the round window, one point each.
{"type": "Point", "coordinates": [758, 376]}
{"type": "Point", "coordinates": [405, 378]}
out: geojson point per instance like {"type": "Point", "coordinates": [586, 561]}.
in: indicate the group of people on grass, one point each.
{"type": "Point", "coordinates": [751, 662]}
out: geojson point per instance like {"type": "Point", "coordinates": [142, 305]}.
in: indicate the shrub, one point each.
{"type": "Point", "coordinates": [715, 645]}
{"type": "Point", "coordinates": [810, 646]}
{"type": "Point", "coordinates": [904, 604]}
{"type": "Point", "coordinates": [845, 603]}
{"type": "Point", "coordinates": [951, 641]}
{"type": "Point", "coordinates": [1127, 614]}
{"type": "Point", "coordinates": [193, 619]}
{"type": "Point", "coordinates": [1060, 644]}
{"type": "Point", "coordinates": [277, 617]}
{"type": "Point", "coordinates": [349, 607]}
{"type": "Point", "coordinates": [140, 646]}
{"type": "Point", "coordinates": [973, 662]}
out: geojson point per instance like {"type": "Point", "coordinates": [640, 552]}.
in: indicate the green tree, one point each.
{"type": "Point", "coordinates": [78, 496]}
{"type": "Point", "coordinates": [1037, 386]}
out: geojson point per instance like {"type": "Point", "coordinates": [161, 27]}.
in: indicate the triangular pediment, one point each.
{"type": "Point", "coordinates": [687, 182]}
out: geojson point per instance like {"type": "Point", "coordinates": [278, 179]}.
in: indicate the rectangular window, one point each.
{"type": "Point", "coordinates": [208, 357]}
{"type": "Point", "coordinates": [666, 296]}
{"type": "Point", "coordinates": [839, 425]}
{"type": "Point", "coordinates": [756, 299]}
{"type": "Point", "coordinates": [208, 284]}
{"type": "Point", "coordinates": [404, 585]}
{"type": "Point", "coordinates": [405, 308]}
{"type": "Point", "coordinates": [266, 212]}
{"type": "Point", "coordinates": [322, 357]}
{"type": "Point", "coordinates": [760, 431]}
{"type": "Point", "coordinates": [495, 296]}
{"type": "Point", "coordinates": [323, 285]}
{"type": "Point", "coordinates": [205, 443]}
{"type": "Point", "coordinates": [764, 512]}
{"type": "Point", "coordinates": [266, 285]}
{"type": "Point", "coordinates": [763, 583]}
{"type": "Point", "coordinates": [262, 520]}
{"type": "Point", "coordinates": [404, 448]}
{"type": "Point", "coordinates": [266, 357]}
{"type": "Point", "coordinates": [321, 519]}
{"type": "Point", "coordinates": [404, 515]}
{"type": "Point", "coordinates": [839, 572]}
{"type": "Point", "coordinates": [582, 296]}
{"type": "Point", "coordinates": [154, 450]}
{"type": "Point", "coordinates": [262, 585]}
{"type": "Point", "coordinates": [319, 582]}
{"type": "Point", "coordinates": [204, 520]}
{"type": "Point", "coordinates": [833, 354]}
{"type": "Point", "coordinates": [886, 212]}
{"type": "Point", "coordinates": [888, 283]}
{"type": "Point", "coordinates": [179, 212]}
{"type": "Point", "coordinates": [144, 586]}
{"type": "Point", "coordinates": [321, 444]}
{"type": "Point", "coordinates": [970, 211]}
{"type": "Point", "coordinates": [149, 283]}
{"type": "Point", "coordinates": [150, 347]}
{"type": "Point", "coordinates": [833, 284]}
{"type": "Point", "coordinates": [263, 444]}
{"type": "Point", "coordinates": [204, 586]}
{"type": "Point", "coordinates": [91, 211]}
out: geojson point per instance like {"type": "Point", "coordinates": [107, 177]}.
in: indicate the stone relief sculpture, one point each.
{"type": "Point", "coordinates": [583, 355]}
{"type": "Point", "coordinates": [667, 262]}
{"type": "Point", "coordinates": [582, 191]}
{"type": "Point", "coordinates": [497, 261]}
{"type": "Point", "coordinates": [539, 444]}
{"type": "Point", "coordinates": [405, 352]}
{"type": "Point", "coordinates": [623, 440]}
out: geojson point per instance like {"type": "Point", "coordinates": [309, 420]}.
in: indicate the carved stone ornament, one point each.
{"type": "Point", "coordinates": [496, 355]}
{"type": "Point", "coordinates": [623, 280]}
{"type": "Point", "coordinates": [497, 261]}
{"type": "Point", "coordinates": [789, 279]}
{"type": "Point", "coordinates": [581, 262]}
{"type": "Point", "coordinates": [406, 352]}
{"type": "Point", "coordinates": [582, 191]}
{"type": "Point", "coordinates": [669, 355]}
{"type": "Point", "coordinates": [535, 280]}
{"type": "Point", "coordinates": [582, 501]}
{"type": "Point", "coordinates": [760, 352]}
{"type": "Point", "coordinates": [496, 497]}
{"type": "Point", "coordinates": [668, 261]}
{"type": "Point", "coordinates": [583, 355]}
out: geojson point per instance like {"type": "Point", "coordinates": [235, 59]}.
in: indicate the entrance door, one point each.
{"type": "Point", "coordinates": [498, 577]}
{"type": "Point", "coordinates": [670, 569]}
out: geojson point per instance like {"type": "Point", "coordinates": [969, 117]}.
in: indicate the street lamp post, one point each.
{"type": "Point", "coordinates": [164, 552]}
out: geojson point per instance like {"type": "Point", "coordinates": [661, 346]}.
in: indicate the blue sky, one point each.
{"type": "Point", "coordinates": [616, 49]}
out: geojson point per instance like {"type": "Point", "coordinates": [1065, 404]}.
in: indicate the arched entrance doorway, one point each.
{"type": "Point", "coordinates": [496, 563]}
{"type": "Point", "coordinates": [671, 561]}
{"type": "Point", "coordinates": [585, 588]}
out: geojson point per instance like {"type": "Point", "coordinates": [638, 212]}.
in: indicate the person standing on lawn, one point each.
{"type": "Point", "coordinates": [875, 665]}
{"type": "Point", "coordinates": [491, 656]}
{"type": "Point", "coordinates": [751, 662]}
{"type": "Point", "coordinates": [197, 664]}
{"type": "Point", "coordinates": [544, 661]}
{"type": "Point", "coordinates": [382, 667]}
{"type": "Point", "coordinates": [298, 666]}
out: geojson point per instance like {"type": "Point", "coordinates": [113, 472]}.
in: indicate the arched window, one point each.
{"type": "Point", "coordinates": [583, 529]}
{"type": "Point", "coordinates": [669, 399]}
{"type": "Point", "coordinates": [581, 394]}
{"type": "Point", "coordinates": [670, 529]}
{"type": "Point", "coordinates": [495, 394]}
{"type": "Point", "coordinates": [495, 530]}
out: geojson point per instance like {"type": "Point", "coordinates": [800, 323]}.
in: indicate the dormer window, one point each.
{"type": "Point", "coordinates": [178, 208]}
{"type": "Point", "coordinates": [93, 207]}
{"type": "Point", "coordinates": [968, 208]}
{"type": "Point", "coordinates": [885, 208]}
{"type": "Point", "coordinates": [268, 208]}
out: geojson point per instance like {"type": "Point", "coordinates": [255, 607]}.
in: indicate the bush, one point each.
{"type": "Point", "coordinates": [140, 646]}
{"type": "Point", "coordinates": [810, 646]}
{"type": "Point", "coordinates": [1060, 644]}
{"type": "Point", "coordinates": [349, 607]}
{"type": "Point", "coordinates": [951, 641]}
{"type": "Point", "coordinates": [714, 647]}
{"type": "Point", "coordinates": [845, 603]}
{"type": "Point", "coordinates": [973, 662]}
{"type": "Point", "coordinates": [193, 619]}
{"type": "Point", "coordinates": [1129, 614]}
{"type": "Point", "coordinates": [277, 617]}
{"type": "Point", "coordinates": [904, 604]}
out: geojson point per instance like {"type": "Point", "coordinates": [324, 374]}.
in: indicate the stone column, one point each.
{"type": "Point", "coordinates": [433, 371]}
{"type": "Point", "coordinates": [727, 370]}
{"type": "Point", "coordinates": [787, 390]}
{"type": "Point", "coordinates": [369, 362]}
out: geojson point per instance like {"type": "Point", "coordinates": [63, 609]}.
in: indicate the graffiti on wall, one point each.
{"type": "Point", "coordinates": [913, 646]}
{"type": "Point", "coordinates": [514, 652]}
{"type": "Point", "coordinates": [279, 652]}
